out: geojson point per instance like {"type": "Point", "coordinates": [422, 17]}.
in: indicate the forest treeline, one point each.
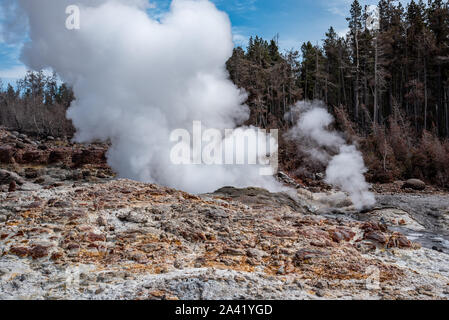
{"type": "Point", "coordinates": [388, 87]}
{"type": "Point", "coordinates": [37, 105]}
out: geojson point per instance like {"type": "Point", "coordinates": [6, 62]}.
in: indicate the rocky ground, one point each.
{"type": "Point", "coordinates": [70, 230]}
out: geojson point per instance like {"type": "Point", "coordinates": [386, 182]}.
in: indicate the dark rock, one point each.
{"type": "Point", "coordinates": [398, 240]}
{"type": "Point", "coordinates": [403, 242]}
{"type": "Point", "coordinates": [19, 251]}
{"type": "Point", "coordinates": [58, 203]}
{"type": "Point", "coordinates": [436, 215]}
{"type": "Point", "coordinates": [321, 285]}
{"type": "Point", "coordinates": [101, 221]}
{"type": "Point", "coordinates": [383, 224]}
{"type": "Point", "coordinates": [376, 236]}
{"type": "Point", "coordinates": [366, 210]}
{"type": "Point", "coordinates": [319, 293]}
{"type": "Point", "coordinates": [373, 226]}
{"type": "Point", "coordinates": [414, 184]}
{"type": "Point", "coordinates": [73, 246]}
{"type": "Point", "coordinates": [234, 252]}
{"type": "Point", "coordinates": [86, 174]}
{"type": "Point", "coordinates": [38, 252]}
{"type": "Point", "coordinates": [299, 284]}
{"type": "Point", "coordinates": [93, 237]}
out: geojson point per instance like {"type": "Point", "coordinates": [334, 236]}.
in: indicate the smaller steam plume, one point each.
{"type": "Point", "coordinates": [345, 165]}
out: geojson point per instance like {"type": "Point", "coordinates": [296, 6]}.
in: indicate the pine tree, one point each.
{"type": "Point", "coordinates": [355, 28]}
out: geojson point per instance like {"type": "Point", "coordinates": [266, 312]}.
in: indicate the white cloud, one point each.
{"type": "Point", "coordinates": [240, 40]}
{"type": "Point", "coordinates": [240, 36]}
{"type": "Point", "coordinates": [286, 44]}
{"type": "Point", "coordinates": [341, 7]}
{"type": "Point", "coordinates": [238, 6]}
{"type": "Point", "coordinates": [11, 75]}
{"type": "Point", "coordinates": [15, 72]}
{"type": "Point", "coordinates": [338, 7]}
{"type": "Point", "coordinates": [343, 32]}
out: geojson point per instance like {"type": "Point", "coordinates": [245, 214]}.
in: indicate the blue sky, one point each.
{"type": "Point", "coordinates": [296, 21]}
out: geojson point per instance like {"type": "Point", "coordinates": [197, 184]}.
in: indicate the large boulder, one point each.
{"type": "Point", "coordinates": [261, 197]}
{"type": "Point", "coordinates": [414, 184]}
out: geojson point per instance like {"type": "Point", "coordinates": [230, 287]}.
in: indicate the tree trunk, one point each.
{"type": "Point", "coordinates": [375, 84]}
{"type": "Point", "coordinates": [315, 91]}
{"type": "Point", "coordinates": [425, 95]}
{"type": "Point", "coordinates": [446, 111]}
{"type": "Point", "coordinates": [356, 87]}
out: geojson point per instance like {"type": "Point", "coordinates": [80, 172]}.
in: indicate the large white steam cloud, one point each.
{"type": "Point", "coordinates": [136, 79]}
{"type": "Point", "coordinates": [346, 169]}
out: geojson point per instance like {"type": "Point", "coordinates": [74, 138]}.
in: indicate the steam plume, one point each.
{"type": "Point", "coordinates": [346, 169]}
{"type": "Point", "coordinates": [136, 79]}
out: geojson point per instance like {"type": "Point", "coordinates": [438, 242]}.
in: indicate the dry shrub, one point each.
{"type": "Point", "coordinates": [431, 160]}
{"type": "Point", "coordinates": [37, 106]}
{"type": "Point", "coordinates": [400, 141]}
{"type": "Point", "coordinates": [397, 152]}
{"type": "Point", "coordinates": [344, 124]}
{"type": "Point", "coordinates": [379, 157]}
{"type": "Point", "coordinates": [36, 120]}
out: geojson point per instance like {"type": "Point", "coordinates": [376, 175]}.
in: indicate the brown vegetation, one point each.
{"type": "Point", "coordinates": [37, 106]}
